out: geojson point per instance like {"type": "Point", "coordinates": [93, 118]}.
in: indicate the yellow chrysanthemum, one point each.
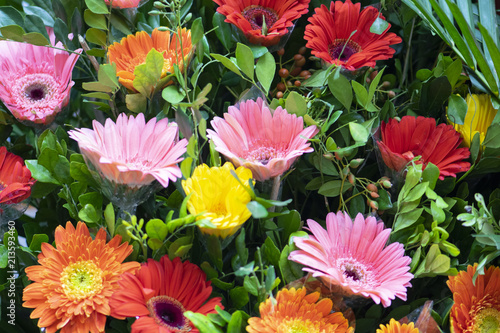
{"type": "Point", "coordinates": [220, 197]}
{"type": "Point", "coordinates": [295, 312]}
{"type": "Point", "coordinates": [74, 281]}
{"type": "Point", "coordinates": [396, 327]}
{"type": "Point", "coordinates": [477, 305]}
{"type": "Point", "coordinates": [480, 114]}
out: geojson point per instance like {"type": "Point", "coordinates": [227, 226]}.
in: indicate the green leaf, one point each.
{"type": "Point", "coordinates": [156, 228]}
{"type": "Point", "coordinates": [148, 74]}
{"type": "Point", "coordinates": [361, 93]}
{"type": "Point", "coordinates": [434, 93]}
{"type": "Point", "coordinates": [36, 38]}
{"type": "Point", "coordinates": [258, 211]}
{"type": "Point", "coordinates": [107, 76]}
{"type": "Point", "coordinates": [37, 240]}
{"type": "Point", "coordinates": [136, 103]}
{"type": "Point", "coordinates": [120, 23]}
{"type": "Point", "coordinates": [97, 6]}
{"type": "Point", "coordinates": [89, 214]}
{"type": "Point", "coordinates": [96, 36]}
{"type": "Point", "coordinates": [492, 139]}
{"type": "Point", "coordinates": [239, 297]}
{"type": "Point", "coordinates": [271, 252]}
{"type": "Point", "coordinates": [407, 219]}
{"type": "Point", "coordinates": [173, 95]}
{"type": "Point", "coordinates": [13, 32]}
{"type": "Point", "coordinates": [290, 271]}
{"type": "Point", "coordinates": [40, 173]}
{"type": "Point", "coordinates": [358, 132]}
{"type": "Point", "coordinates": [197, 30]}
{"type": "Point", "coordinates": [251, 284]}
{"type": "Point", "coordinates": [10, 16]}
{"type": "Point", "coordinates": [265, 69]}
{"type": "Point", "coordinates": [56, 164]}
{"type": "Point", "coordinates": [457, 109]}
{"type": "Point", "coordinates": [333, 188]}
{"type": "Point", "coordinates": [109, 216]}
{"type": "Point", "coordinates": [46, 18]}
{"type": "Point", "coordinates": [296, 104]}
{"type": "Point", "coordinates": [341, 89]}
{"type": "Point", "coordinates": [379, 26]}
{"type": "Point", "coordinates": [474, 47]}
{"type": "Point", "coordinates": [223, 31]}
{"type": "Point", "coordinates": [227, 63]}
{"type": "Point", "coordinates": [245, 59]}
{"type": "Point", "coordinates": [202, 323]}
{"type": "Point", "coordinates": [430, 175]}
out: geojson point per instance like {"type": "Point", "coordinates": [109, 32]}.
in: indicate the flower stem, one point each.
{"type": "Point", "coordinates": [275, 190]}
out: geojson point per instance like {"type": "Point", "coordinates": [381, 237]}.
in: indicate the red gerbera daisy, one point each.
{"type": "Point", "coordinates": [160, 293]}
{"type": "Point", "coordinates": [410, 137]}
{"type": "Point", "coordinates": [15, 178]}
{"type": "Point", "coordinates": [250, 15]}
{"type": "Point", "coordinates": [342, 36]}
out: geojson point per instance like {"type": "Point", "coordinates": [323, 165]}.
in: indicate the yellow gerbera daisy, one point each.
{"type": "Point", "coordinates": [480, 114]}
{"type": "Point", "coordinates": [396, 327]}
{"type": "Point", "coordinates": [220, 197]}
{"type": "Point", "coordinates": [75, 280]}
{"type": "Point", "coordinates": [477, 305]}
{"type": "Point", "coordinates": [294, 311]}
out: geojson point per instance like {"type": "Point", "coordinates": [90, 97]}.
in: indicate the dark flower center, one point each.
{"type": "Point", "coordinates": [342, 49]}
{"type": "Point", "coordinates": [36, 91]}
{"type": "Point", "coordinates": [352, 274]}
{"type": "Point", "coordinates": [168, 312]}
{"type": "Point", "coordinates": [257, 15]}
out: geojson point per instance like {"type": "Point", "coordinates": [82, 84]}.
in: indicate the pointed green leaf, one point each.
{"type": "Point", "coordinates": [245, 60]}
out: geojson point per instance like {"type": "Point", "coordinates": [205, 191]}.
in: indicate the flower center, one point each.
{"type": "Point", "coordinates": [263, 154]}
{"type": "Point", "coordinates": [36, 89]}
{"type": "Point", "coordinates": [343, 49]}
{"type": "Point", "coordinates": [487, 321]}
{"type": "Point", "coordinates": [355, 272]}
{"type": "Point", "coordinates": [257, 15]}
{"type": "Point", "coordinates": [298, 325]}
{"type": "Point", "coordinates": [81, 279]}
{"type": "Point", "coordinates": [168, 312]}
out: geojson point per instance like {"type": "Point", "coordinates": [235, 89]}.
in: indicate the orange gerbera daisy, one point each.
{"type": "Point", "coordinates": [396, 327]}
{"type": "Point", "coordinates": [341, 36]}
{"type": "Point", "coordinates": [294, 311]}
{"type": "Point", "coordinates": [75, 279]}
{"type": "Point", "coordinates": [160, 293]}
{"type": "Point", "coordinates": [133, 49]}
{"type": "Point", "coordinates": [477, 305]}
{"type": "Point", "coordinates": [263, 22]}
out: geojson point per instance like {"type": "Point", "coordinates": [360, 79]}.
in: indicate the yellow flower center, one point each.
{"type": "Point", "coordinates": [81, 279]}
{"type": "Point", "coordinates": [487, 321]}
{"type": "Point", "coordinates": [298, 325]}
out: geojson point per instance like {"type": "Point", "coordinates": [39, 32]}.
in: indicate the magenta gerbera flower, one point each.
{"type": "Point", "coordinates": [353, 256]}
{"type": "Point", "coordinates": [35, 81]}
{"type": "Point", "coordinates": [133, 152]}
{"type": "Point", "coordinates": [265, 142]}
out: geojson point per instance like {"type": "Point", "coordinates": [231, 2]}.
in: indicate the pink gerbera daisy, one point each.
{"type": "Point", "coordinates": [35, 81]}
{"type": "Point", "coordinates": [353, 256]}
{"type": "Point", "coordinates": [264, 142]}
{"type": "Point", "coordinates": [133, 152]}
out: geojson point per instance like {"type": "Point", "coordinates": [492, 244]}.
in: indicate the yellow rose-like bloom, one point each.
{"type": "Point", "coordinates": [479, 116]}
{"type": "Point", "coordinates": [220, 196]}
{"type": "Point", "coordinates": [396, 327]}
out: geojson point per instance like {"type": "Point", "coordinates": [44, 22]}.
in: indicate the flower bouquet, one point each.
{"type": "Point", "coordinates": [261, 166]}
